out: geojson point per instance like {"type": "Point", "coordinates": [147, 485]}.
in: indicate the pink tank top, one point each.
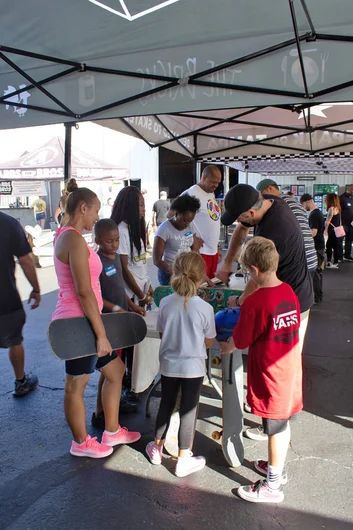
{"type": "Point", "coordinates": [69, 304]}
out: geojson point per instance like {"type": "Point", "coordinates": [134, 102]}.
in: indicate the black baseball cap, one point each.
{"type": "Point", "coordinates": [238, 200]}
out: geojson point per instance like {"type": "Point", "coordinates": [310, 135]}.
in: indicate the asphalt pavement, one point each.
{"type": "Point", "coordinates": [43, 487]}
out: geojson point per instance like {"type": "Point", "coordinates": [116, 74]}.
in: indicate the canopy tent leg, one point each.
{"type": "Point", "coordinates": [67, 154]}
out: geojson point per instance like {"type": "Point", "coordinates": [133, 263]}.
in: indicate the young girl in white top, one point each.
{"type": "Point", "coordinates": [186, 326]}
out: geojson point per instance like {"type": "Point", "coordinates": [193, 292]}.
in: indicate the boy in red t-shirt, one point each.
{"type": "Point", "coordinates": [269, 325]}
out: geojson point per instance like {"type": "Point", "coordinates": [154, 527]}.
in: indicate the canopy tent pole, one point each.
{"type": "Point", "coordinates": [67, 154]}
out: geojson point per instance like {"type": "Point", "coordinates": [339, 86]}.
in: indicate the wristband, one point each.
{"type": "Point", "coordinates": [35, 291]}
{"type": "Point", "coordinates": [237, 301]}
{"type": "Point", "coordinates": [116, 308]}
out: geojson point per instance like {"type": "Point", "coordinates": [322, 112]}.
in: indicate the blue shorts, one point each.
{"type": "Point", "coordinates": [40, 216]}
{"type": "Point", "coordinates": [87, 365]}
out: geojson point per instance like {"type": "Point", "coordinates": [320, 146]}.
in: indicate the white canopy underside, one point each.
{"type": "Point", "coordinates": [271, 71]}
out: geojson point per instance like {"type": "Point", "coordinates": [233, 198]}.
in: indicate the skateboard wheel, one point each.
{"type": "Point", "coordinates": [216, 435]}
{"type": "Point", "coordinates": [216, 361]}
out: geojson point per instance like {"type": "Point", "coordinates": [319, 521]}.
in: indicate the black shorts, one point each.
{"type": "Point", "coordinates": [274, 426]}
{"type": "Point", "coordinates": [11, 326]}
{"type": "Point", "coordinates": [87, 365]}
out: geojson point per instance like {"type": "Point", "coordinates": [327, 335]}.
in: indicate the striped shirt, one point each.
{"type": "Point", "coordinates": [300, 214]}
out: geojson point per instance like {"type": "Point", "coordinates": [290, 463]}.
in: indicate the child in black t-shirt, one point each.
{"type": "Point", "coordinates": [114, 298]}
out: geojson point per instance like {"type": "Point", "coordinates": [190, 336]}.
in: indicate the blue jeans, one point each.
{"type": "Point", "coordinates": [163, 277]}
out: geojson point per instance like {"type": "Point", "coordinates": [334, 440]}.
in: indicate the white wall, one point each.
{"type": "Point", "coordinates": [342, 180]}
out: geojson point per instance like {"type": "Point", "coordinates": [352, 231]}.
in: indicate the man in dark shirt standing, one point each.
{"type": "Point", "coordinates": [271, 218]}
{"type": "Point", "coordinates": [317, 226]}
{"type": "Point", "coordinates": [160, 209]}
{"type": "Point", "coordinates": [346, 201]}
{"type": "Point", "coordinates": [13, 242]}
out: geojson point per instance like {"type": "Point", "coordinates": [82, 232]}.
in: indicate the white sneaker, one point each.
{"type": "Point", "coordinates": [256, 433]}
{"type": "Point", "coordinates": [332, 265]}
{"type": "Point", "coordinates": [189, 464]}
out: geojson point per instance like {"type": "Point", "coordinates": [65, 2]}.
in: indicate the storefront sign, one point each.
{"type": "Point", "coordinates": [21, 188]}
{"type": "Point", "coordinates": [5, 187]}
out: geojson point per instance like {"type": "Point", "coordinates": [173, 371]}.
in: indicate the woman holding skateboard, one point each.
{"type": "Point", "coordinates": [78, 268]}
{"type": "Point", "coordinates": [187, 327]}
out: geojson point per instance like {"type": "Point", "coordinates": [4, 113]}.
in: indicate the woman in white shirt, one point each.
{"type": "Point", "coordinates": [129, 214]}
{"type": "Point", "coordinates": [175, 235]}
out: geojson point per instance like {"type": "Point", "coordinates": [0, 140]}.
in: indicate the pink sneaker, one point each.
{"type": "Point", "coordinates": [123, 436]}
{"type": "Point", "coordinates": [154, 453]}
{"type": "Point", "coordinates": [90, 448]}
{"type": "Point", "coordinates": [261, 492]}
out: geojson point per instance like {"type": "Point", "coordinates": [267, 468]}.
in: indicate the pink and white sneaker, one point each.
{"type": "Point", "coordinates": [189, 464]}
{"type": "Point", "coordinates": [154, 453]}
{"type": "Point", "coordinates": [261, 492]}
{"type": "Point", "coordinates": [123, 436]}
{"type": "Point", "coordinates": [90, 448]}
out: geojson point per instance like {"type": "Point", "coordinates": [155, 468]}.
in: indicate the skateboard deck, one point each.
{"type": "Point", "coordinates": [217, 296]}
{"type": "Point", "coordinates": [73, 338]}
{"type": "Point", "coordinates": [232, 409]}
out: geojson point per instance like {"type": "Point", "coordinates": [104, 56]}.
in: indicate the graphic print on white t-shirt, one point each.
{"type": "Point", "coordinates": [207, 220]}
{"type": "Point", "coordinates": [176, 241]}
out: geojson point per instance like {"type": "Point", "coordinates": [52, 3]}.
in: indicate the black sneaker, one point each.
{"type": "Point", "coordinates": [98, 421]}
{"type": "Point", "coordinates": [129, 395]}
{"type": "Point", "coordinates": [23, 388]}
{"type": "Point", "coordinates": [347, 258]}
{"type": "Point", "coordinates": [127, 407]}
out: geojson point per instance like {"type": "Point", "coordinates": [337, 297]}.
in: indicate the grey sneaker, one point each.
{"type": "Point", "coordinates": [30, 383]}
{"type": "Point", "coordinates": [256, 433]}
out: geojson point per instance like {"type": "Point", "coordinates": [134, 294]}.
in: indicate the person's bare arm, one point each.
{"type": "Point", "coordinates": [158, 251]}
{"type": "Point", "coordinates": [27, 265]}
{"type": "Point", "coordinates": [78, 261]}
{"type": "Point", "coordinates": [56, 214]}
{"type": "Point", "coordinates": [129, 279]}
{"type": "Point", "coordinates": [328, 220]}
{"type": "Point", "coordinates": [314, 232]}
{"type": "Point", "coordinates": [209, 343]}
{"type": "Point", "coordinates": [238, 237]}
{"type": "Point", "coordinates": [250, 287]}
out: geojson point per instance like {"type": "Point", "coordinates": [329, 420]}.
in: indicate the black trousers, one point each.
{"type": "Point", "coordinates": [190, 395]}
{"type": "Point", "coordinates": [316, 276]}
{"type": "Point", "coordinates": [348, 241]}
{"type": "Point", "coordinates": [334, 245]}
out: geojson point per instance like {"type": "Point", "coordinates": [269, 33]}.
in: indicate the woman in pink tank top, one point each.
{"type": "Point", "coordinates": [78, 269]}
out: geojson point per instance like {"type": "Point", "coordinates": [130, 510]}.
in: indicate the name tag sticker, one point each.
{"type": "Point", "coordinates": [109, 271]}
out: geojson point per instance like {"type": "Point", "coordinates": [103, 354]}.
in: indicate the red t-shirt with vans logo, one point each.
{"type": "Point", "coordinates": [269, 325]}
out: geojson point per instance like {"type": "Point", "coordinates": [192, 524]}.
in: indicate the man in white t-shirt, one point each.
{"type": "Point", "coordinates": [207, 220]}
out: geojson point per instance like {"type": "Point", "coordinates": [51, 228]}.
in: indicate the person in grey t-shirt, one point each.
{"type": "Point", "coordinates": [160, 209]}
{"type": "Point", "coordinates": [174, 236]}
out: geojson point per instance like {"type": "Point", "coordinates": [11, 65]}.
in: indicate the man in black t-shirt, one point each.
{"type": "Point", "coordinates": [317, 226]}
{"type": "Point", "coordinates": [271, 218]}
{"type": "Point", "coordinates": [346, 200]}
{"type": "Point", "coordinates": [160, 209]}
{"type": "Point", "coordinates": [13, 242]}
